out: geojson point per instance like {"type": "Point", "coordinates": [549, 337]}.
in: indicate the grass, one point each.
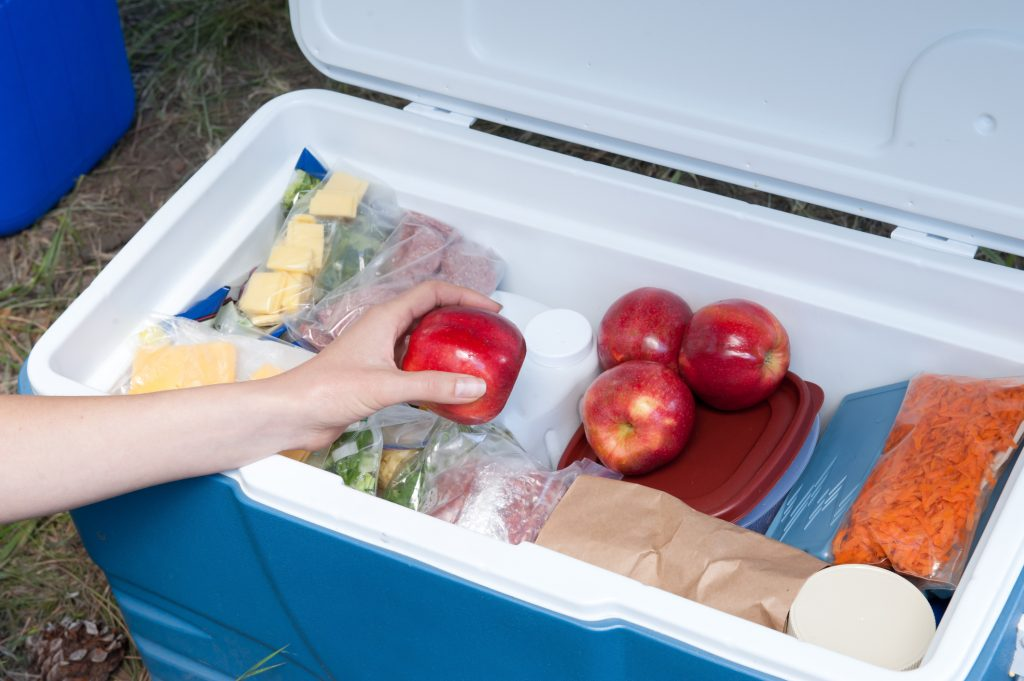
{"type": "Point", "coordinates": [44, 577]}
{"type": "Point", "coordinates": [200, 68]}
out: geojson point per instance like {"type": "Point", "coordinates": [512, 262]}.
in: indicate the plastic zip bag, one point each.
{"type": "Point", "coordinates": [919, 508]}
{"type": "Point", "coordinates": [330, 233]}
{"type": "Point", "coordinates": [174, 352]}
{"type": "Point", "coordinates": [355, 456]}
{"type": "Point", "coordinates": [480, 478]}
{"type": "Point", "coordinates": [307, 175]}
{"type": "Point", "coordinates": [448, 444]}
{"type": "Point", "coordinates": [504, 499]}
{"type": "Point", "coordinates": [405, 427]}
{"type": "Point", "coordinates": [420, 248]}
{"type": "Point", "coordinates": [405, 430]}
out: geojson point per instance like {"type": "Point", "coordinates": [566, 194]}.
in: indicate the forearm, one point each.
{"type": "Point", "coordinates": [64, 452]}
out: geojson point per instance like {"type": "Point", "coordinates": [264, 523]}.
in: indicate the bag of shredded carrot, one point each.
{"type": "Point", "coordinates": [918, 510]}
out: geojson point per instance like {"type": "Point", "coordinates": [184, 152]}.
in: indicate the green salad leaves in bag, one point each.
{"type": "Point", "coordinates": [355, 455]}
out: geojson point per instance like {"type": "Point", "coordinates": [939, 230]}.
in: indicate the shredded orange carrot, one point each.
{"type": "Point", "coordinates": [919, 508]}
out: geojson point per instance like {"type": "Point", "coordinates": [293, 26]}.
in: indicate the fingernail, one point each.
{"type": "Point", "coordinates": [470, 387]}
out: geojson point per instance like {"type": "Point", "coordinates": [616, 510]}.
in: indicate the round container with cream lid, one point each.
{"type": "Point", "coordinates": [865, 612]}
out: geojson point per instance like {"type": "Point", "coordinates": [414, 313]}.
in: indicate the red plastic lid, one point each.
{"type": "Point", "coordinates": [733, 458]}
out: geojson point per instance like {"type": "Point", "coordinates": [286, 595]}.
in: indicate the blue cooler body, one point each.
{"type": "Point", "coordinates": [211, 582]}
{"type": "Point", "coordinates": [214, 574]}
{"type": "Point", "coordinates": [66, 94]}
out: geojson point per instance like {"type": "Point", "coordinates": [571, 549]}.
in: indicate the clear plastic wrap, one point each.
{"type": "Point", "coordinates": [918, 511]}
{"type": "Point", "coordinates": [355, 456]}
{"type": "Point", "coordinates": [405, 431]}
{"type": "Point", "coordinates": [478, 477]}
{"type": "Point", "coordinates": [503, 498]}
{"type": "Point", "coordinates": [420, 248]}
{"type": "Point", "coordinates": [330, 234]}
{"type": "Point", "coordinates": [369, 453]}
{"type": "Point", "coordinates": [406, 427]}
{"type": "Point", "coordinates": [174, 352]}
{"type": "Point", "coordinates": [448, 445]}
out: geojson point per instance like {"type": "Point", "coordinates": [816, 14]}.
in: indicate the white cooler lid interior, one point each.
{"type": "Point", "coordinates": [911, 112]}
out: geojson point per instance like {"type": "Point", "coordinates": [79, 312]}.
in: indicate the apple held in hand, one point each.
{"type": "Point", "coordinates": [645, 324]}
{"type": "Point", "coordinates": [637, 416]}
{"type": "Point", "coordinates": [735, 353]}
{"type": "Point", "coordinates": [467, 340]}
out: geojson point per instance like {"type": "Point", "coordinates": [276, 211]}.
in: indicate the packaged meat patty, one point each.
{"type": "Point", "coordinates": [419, 249]}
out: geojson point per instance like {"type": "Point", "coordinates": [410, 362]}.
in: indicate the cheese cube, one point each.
{"type": "Point", "coordinates": [285, 257]}
{"type": "Point", "coordinates": [182, 366]}
{"type": "Point", "coordinates": [263, 293]}
{"type": "Point", "coordinates": [264, 320]}
{"type": "Point", "coordinates": [333, 204]}
{"type": "Point", "coordinates": [297, 292]}
{"type": "Point", "coordinates": [265, 371]}
{"type": "Point", "coordinates": [307, 235]}
{"type": "Point", "coordinates": [343, 183]}
{"type": "Point", "coordinates": [297, 454]}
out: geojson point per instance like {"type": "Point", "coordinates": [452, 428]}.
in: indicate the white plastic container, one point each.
{"type": "Point", "coordinates": [561, 362]}
{"type": "Point", "coordinates": [865, 612]}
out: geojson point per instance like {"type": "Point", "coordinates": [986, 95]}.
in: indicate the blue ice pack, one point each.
{"type": "Point", "coordinates": [842, 461]}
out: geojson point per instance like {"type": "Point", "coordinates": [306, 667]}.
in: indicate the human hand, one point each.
{"type": "Point", "coordinates": [357, 374]}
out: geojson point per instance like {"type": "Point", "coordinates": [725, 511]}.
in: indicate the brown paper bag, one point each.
{"type": "Point", "coordinates": [657, 539]}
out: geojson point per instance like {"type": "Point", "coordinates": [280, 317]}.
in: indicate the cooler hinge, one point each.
{"type": "Point", "coordinates": [934, 242]}
{"type": "Point", "coordinates": [438, 114]}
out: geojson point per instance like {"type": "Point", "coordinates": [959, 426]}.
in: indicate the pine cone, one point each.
{"type": "Point", "coordinates": [76, 651]}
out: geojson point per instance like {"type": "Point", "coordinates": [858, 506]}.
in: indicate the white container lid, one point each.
{"type": "Point", "coordinates": [558, 338]}
{"type": "Point", "coordinates": [909, 112]}
{"type": "Point", "coordinates": [864, 612]}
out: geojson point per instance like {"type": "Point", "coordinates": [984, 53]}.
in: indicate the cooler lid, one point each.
{"type": "Point", "coordinates": [909, 112]}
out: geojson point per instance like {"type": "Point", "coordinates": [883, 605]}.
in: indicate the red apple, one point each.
{"type": "Point", "coordinates": [637, 416]}
{"type": "Point", "coordinates": [467, 340]}
{"type": "Point", "coordinates": [734, 354]}
{"type": "Point", "coordinates": [646, 324]}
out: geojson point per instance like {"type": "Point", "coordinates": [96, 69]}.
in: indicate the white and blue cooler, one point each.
{"type": "Point", "coordinates": [912, 113]}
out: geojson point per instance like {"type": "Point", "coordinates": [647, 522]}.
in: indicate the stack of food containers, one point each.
{"type": "Point", "coordinates": [739, 465]}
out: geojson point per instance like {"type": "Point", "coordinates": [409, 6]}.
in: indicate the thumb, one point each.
{"type": "Point", "coordinates": [434, 386]}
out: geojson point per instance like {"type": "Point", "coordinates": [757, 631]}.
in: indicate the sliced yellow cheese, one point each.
{"type": "Point", "coordinates": [153, 335]}
{"type": "Point", "coordinates": [297, 292]}
{"type": "Point", "coordinates": [265, 371]}
{"type": "Point", "coordinates": [265, 320]}
{"type": "Point", "coordinates": [343, 183]}
{"type": "Point", "coordinates": [334, 204]}
{"type": "Point", "coordinates": [303, 217]}
{"type": "Point", "coordinates": [307, 235]}
{"type": "Point", "coordinates": [285, 257]}
{"type": "Point", "coordinates": [263, 294]}
{"type": "Point", "coordinates": [297, 454]}
{"type": "Point", "coordinates": [182, 366]}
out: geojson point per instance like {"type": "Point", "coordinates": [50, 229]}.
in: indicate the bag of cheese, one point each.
{"type": "Point", "coordinates": [329, 235]}
{"type": "Point", "coordinates": [174, 352]}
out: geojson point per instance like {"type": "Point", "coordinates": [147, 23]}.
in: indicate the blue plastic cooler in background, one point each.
{"type": "Point", "coordinates": [66, 96]}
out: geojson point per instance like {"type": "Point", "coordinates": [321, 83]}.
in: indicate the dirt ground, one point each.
{"type": "Point", "coordinates": [200, 69]}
